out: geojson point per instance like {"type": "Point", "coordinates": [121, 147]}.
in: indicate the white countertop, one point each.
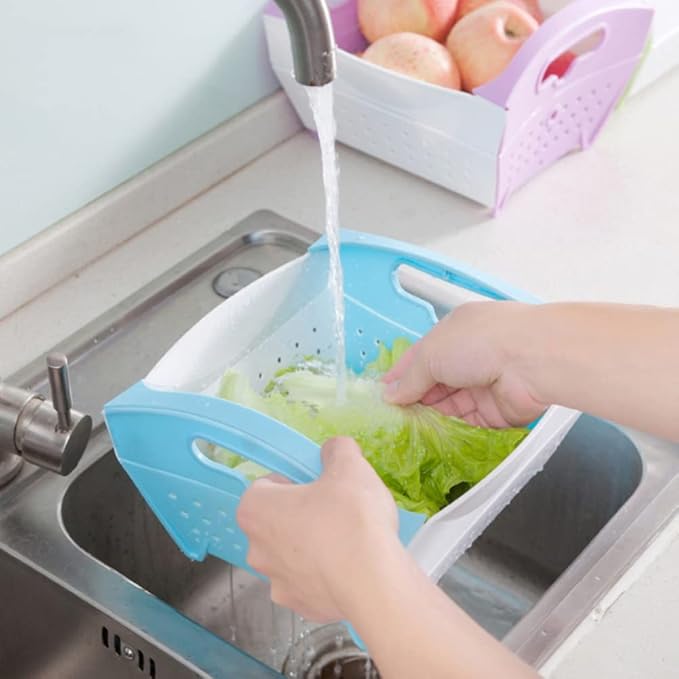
{"type": "Point", "coordinates": [600, 225]}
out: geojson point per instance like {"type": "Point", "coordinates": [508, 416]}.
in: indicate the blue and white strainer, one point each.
{"type": "Point", "coordinates": [159, 424]}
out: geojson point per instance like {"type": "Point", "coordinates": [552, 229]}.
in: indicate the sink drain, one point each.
{"type": "Point", "coordinates": [328, 652]}
{"type": "Point", "coordinates": [230, 281]}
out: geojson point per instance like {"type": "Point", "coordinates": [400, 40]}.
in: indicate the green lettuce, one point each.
{"type": "Point", "coordinates": [425, 458]}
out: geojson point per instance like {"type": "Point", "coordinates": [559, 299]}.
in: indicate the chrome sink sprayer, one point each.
{"type": "Point", "coordinates": [313, 40]}
{"type": "Point", "coordinates": [49, 435]}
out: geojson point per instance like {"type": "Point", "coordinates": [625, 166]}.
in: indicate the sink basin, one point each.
{"type": "Point", "coordinates": [111, 595]}
{"type": "Point", "coordinates": [502, 576]}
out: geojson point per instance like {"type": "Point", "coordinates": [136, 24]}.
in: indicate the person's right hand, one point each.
{"type": "Point", "coordinates": [467, 366]}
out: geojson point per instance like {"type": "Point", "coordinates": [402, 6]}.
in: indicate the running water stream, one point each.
{"type": "Point", "coordinates": [321, 100]}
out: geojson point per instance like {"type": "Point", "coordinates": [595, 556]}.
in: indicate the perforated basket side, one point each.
{"type": "Point", "coordinates": [550, 117]}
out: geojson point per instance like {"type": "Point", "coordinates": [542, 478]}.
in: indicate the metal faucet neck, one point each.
{"type": "Point", "coordinates": [313, 40]}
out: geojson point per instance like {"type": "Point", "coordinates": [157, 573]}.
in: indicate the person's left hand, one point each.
{"type": "Point", "coordinates": [313, 540]}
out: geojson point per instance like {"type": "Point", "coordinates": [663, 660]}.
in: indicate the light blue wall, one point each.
{"type": "Point", "coordinates": [92, 92]}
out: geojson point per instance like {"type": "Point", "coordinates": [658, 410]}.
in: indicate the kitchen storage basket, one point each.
{"type": "Point", "coordinates": [488, 144]}
{"type": "Point", "coordinates": [157, 425]}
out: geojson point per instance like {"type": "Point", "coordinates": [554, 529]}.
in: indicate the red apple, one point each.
{"type": "Point", "coordinates": [531, 6]}
{"type": "Point", "coordinates": [485, 41]}
{"type": "Point", "coordinates": [433, 18]}
{"type": "Point", "coordinates": [416, 56]}
{"type": "Point", "coordinates": [560, 65]}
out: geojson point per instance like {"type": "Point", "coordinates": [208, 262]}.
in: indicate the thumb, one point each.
{"type": "Point", "coordinates": [415, 381]}
{"type": "Point", "coordinates": [402, 365]}
{"type": "Point", "coordinates": [339, 454]}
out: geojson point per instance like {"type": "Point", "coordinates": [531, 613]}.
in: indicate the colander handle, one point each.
{"type": "Point", "coordinates": [175, 420]}
{"type": "Point", "coordinates": [383, 256]}
{"type": "Point", "coordinates": [625, 24]}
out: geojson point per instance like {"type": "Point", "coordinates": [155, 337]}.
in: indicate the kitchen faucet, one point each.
{"type": "Point", "coordinates": [48, 434]}
{"type": "Point", "coordinates": [313, 40]}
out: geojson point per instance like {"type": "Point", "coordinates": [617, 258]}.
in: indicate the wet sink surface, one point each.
{"type": "Point", "coordinates": [109, 578]}
{"type": "Point", "coordinates": [498, 581]}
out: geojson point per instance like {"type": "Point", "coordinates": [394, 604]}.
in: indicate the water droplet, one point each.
{"type": "Point", "coordinates": [597, 614]}
{"type": "Point", "coordinates": [233, 622]}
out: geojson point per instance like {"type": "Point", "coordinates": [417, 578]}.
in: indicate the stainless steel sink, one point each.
{"type": "Point", "coordinates": [92, 586]}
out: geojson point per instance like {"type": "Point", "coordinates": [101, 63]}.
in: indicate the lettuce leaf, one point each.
{"type": "Point", "coordinates": [425, 458]}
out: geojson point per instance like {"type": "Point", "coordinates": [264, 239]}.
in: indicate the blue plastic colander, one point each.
{"type": "Point", "coordinates": [157, 423]}
{"type": "Point", "coordinates": [160, 425]}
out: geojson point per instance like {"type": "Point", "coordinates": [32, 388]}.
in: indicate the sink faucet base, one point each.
{"type": "Point", "coordinates": [49, 435]}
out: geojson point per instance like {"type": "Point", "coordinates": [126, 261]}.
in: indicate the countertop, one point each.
{"type": "Point", "coordinates": [600, 225]}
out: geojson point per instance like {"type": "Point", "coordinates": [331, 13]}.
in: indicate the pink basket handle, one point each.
{"type": "Point", "coordinates": [625, 25]}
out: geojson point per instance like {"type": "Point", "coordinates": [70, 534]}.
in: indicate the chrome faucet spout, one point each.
{"type": "Point", "coordinates": [313, 40]}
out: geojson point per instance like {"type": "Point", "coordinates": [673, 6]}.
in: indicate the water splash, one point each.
{"type": "Point", "coordinates": [321, 100]}
{"type": "Point", "coordinates": [292, 673]}
{"type": "Point", "coordinates": [233, 624]}
{"type": "Point", "coordinates": [273, 648]}
{"type": "Point", "coordinates": [308, 650]}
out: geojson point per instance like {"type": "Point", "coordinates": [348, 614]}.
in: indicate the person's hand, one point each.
{"type": "Point", "coordinates": [312, 540]}
{"type": "Point", "coordinates": [467, 367]}
{"type": "Point", "coordinates": [331, 551]}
